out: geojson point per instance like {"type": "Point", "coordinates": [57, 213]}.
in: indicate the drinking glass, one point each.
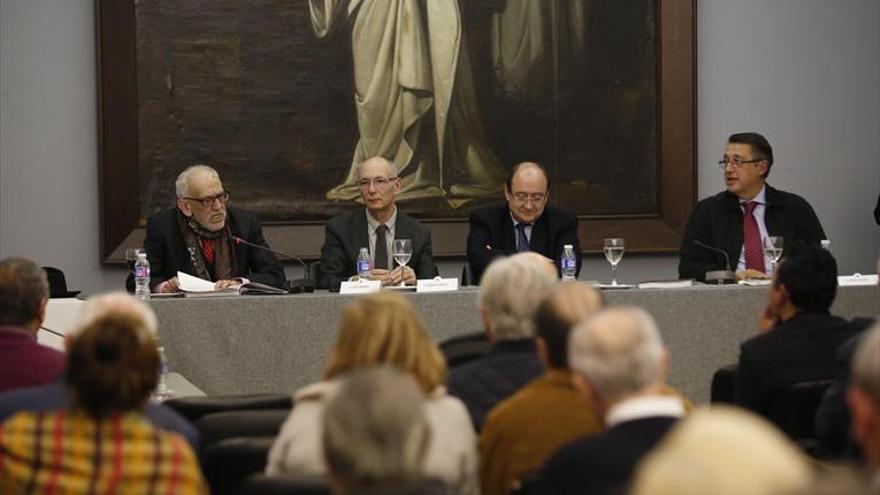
{"type": "Point", "coordinates": [401, 249]}
{"type": "Point", "coordinates": [131, 256]}
{"type": "Point", "coordinates": [773, 249]}
{"type": "Point", "coordinates": [614, 253]}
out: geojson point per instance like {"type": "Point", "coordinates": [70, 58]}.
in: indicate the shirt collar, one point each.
{"type": "Point", "coordinates": [372, 223]}
{"type": "Point", "coordinates": [760, 198]}
{"type": "Point", "coordinates": [515, 222]}
{"type": "Point", "coordinates": [644, 407]}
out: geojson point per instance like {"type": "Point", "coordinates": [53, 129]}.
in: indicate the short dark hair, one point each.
{"type": "Point", "coordinates": [23, 285]}
{"type": "Point", "coordinates": [809, 275]}
{"type": "Point", "coordinates": [562, 309]}
{"type": "Point", "coordinates": [518, 166]}
{"type": "Point", "coordinates": [760, 146]}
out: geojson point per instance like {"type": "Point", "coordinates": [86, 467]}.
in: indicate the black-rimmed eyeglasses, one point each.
{"type": "Point", "coordinates": [208, 202]}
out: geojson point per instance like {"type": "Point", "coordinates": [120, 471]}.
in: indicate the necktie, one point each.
{"type": "Point", "coordinates": [208, 250]}
{"type": "Point", "coordinates": [752, 239]}
{"type": "Point", "coordinates": [380, 257]}
{"type": "Point", "coordinates": [522, 242]}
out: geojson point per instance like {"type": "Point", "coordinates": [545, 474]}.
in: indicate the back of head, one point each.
{"type": "Point", "coordinates": [23, 287]}
{"type": "Point", "coordinates": [375, 431]}
{"type": "Point", "coordinates": [761, 148]}
{"type": "Point", "coordinates": [112, 363]}
{"type": "Point", "coordinates": [722, 451]}
{"type": "Point", "coordinates": [618, 351]}
{"type": "Point", "coordinates": [866, 364]}
{"type": "Point", "coordinates": [384, 328]}
{"type": "Point", "coordinates": [809, 275]}
{"type": "Point", "coordinates": [564, 307]}
{"type": "Point", "coordinates": [510, 291]}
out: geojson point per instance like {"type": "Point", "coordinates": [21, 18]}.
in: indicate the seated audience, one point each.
{"type": "Point", "coordinates": [798, 335]}
{"type": "Point", "coordinates": [863, 398]}
{"type": "Point", "coordinates": [56, 396]}
{"type": "Point", "coordinates": [723, 451]}
{"type": "Point", "coordinates": [376, 434]}
{"type": "Point", "coordinates": [382, 329]}
{"type": "Point", "coordinates": [620, 363]}
{"type": "Point", "coordinates": [24, 293]}
{"type": "Point", "coordinates": [510, 292]}
{"type": "Point", "coordinates": [102, 443]}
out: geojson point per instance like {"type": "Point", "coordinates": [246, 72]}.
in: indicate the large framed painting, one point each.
{"type": "Point", "coordinates": [285, 97]}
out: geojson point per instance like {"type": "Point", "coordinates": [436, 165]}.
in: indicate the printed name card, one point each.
{"type": "Point", "coordinates": [437, 284]}
{"type": "Point", "coordinates": [856, 279]}
{"type": "Point", "coordinates": [360, 286]}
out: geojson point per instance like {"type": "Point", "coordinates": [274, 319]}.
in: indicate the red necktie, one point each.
{"type": "Point", "coordinates": [208, 250]}
{"type": "Point", "coordinates": [752, 239]}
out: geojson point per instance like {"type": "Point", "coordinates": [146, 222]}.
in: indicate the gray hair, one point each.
{"type": "Point", "coordinates": [618, 350]}
{"type": "Point", "coordinates": [181, 185]}
{"type": "Point", "coordinates": [375, 429]}
{"type": "Point", "coordinates": [866, 363]}
{"type": "Point", "coordinates": [511, 290]}
{"type": "Point", "coordinates": [23, 286]}
{"type": "Point", "coordinates": [119, 303]}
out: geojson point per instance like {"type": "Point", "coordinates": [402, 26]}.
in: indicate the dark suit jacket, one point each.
{"type": "Point", "coordinates": [492, 234]}
{"type": "Point", "coordinates": [877, 211]}
{"type": "Point", "coordinates": [718, 222]}
{"type": "Point", "coordinates": [604, 463]}
{"type": "Point", "coordinates": [167, 252]}
{"type": "Point", "coordinates": [345, 235]}
{"type": "Point", "coordinates": [800, 349]}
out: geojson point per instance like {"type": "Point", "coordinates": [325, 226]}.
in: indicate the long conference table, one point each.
{"type": "Point", "coordinates": [252, 344]}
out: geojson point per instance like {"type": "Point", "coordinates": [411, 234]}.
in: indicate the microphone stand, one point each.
{"type": "Point", "coordinates": [295, 286]}
{"type": "Point", "coordinates": [719, 277]}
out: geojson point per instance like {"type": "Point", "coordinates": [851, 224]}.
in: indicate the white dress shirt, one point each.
{"type": "Point", "coordinates": [372, 225]}
{"type": "Point", "coordinates": [647, 406]}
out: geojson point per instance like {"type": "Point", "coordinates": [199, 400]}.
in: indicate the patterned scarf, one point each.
{"type": "Point", "coordinates": [196, 238]}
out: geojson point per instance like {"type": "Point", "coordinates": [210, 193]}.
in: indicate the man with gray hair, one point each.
{"type": "Point", "coordinates": [204, 237]}
{"type": "Point", "coordinates": [510, 291]}
{"type": "Point", "coordinates": [24, 293]}
{"type": "Point", "coordinates": [863, 398]}
{"type": "Point", "coordinates": [619, 362]}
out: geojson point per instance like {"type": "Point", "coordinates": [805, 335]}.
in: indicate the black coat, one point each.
{"type": "Point", "coordinates": [492, 234]}
{"type": "Point", "coordinates": [718, 222]}
{"type": "Point", "coordinates": [167, 252]}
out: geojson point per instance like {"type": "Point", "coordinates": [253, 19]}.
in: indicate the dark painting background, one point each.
{"type": "Point", "coordinates": [249, 89]}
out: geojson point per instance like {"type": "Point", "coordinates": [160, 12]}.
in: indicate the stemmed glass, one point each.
{"type": "Point", "coordinates": [773, 249]}
{"type": "Point", "coordinates": [401, 249]}
{"type": "Point", "coordinates": [614, 253]}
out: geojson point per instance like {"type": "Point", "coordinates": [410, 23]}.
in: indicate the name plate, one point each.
{"type": "Point", "coordinates": [437, 284]}
{"type": "Point", "coordinates": [856, 279]}
{"type": "Point", "coordinates": [360, 286]}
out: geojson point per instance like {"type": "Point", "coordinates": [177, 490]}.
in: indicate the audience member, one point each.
{"type": "Point", "coordinates": [24, 293]}
{"type": "Point", "coordinates": [863, 398]}
{"type": "Point", "coordinates": [378, 329]}
{"type": "Point", "coordinates": [510, 292]}
{"type": "Point", "coordinates": [621, 364]}
{"type": "Point", "coordinates": [723, 451]}
{"type": "Point", "coordinates": [103, 443]}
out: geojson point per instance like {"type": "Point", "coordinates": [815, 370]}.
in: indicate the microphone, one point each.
{"type": "Point", "coordinates": [719, 277]}
{"type": "Point", "coordinates": [296, 286]}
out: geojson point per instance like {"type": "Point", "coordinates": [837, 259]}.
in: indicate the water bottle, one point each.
{"type": "Point", "coordinates": [142, 277]}
{"type": "Point", "coordinates": [568, 263]}
{"type": "Point", "coordinates": [162, 386]}
{"type": "Point", "coordinates": [364, 264]}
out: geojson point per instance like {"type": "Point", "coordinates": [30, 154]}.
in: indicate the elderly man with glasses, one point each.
{"type": "Point", "coordinates": [375, 227]}
{"type": "Point", "coordinates": [204, 237]}
{"type": "Point", "coordinates": [738, 219]}
{"type": "Point", "coordinates": [524, 223]}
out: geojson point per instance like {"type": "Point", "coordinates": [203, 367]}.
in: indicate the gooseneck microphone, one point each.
{"type": "Point", "coordinates": [295, 286]}
{"type": "Point", "coordinates": [719, 277]}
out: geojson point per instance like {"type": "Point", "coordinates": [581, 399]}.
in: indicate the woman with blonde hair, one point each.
{"type": "Point", "coordinates": [380, 329]}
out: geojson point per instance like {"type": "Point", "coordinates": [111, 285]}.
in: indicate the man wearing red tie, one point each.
{"type": "Point", "coordinates": [738, 219]}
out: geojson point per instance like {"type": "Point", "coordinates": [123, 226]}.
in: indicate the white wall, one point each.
{"type": "Point", "coordinates": [804, 72]}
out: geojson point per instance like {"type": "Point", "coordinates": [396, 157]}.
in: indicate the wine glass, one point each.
{"type": "Point", "coordinates": [401, 249]}
{"type": "Point", "coordinates": [614, 253]}
{"type": "Point", "coordinates": [773, 249]}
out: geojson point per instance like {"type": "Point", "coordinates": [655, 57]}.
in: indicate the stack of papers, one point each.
{"type": "Point", "coordinates": [197, 287]}
{"type": "Point", "coordinates": [666, 284]}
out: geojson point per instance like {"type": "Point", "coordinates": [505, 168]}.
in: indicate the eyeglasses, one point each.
{"type": "Point", "coordinates": [208, 202]}
{"type": "Point", "coordinates": [736, 162]}
{"type": "Point", "coordinates": [380, 183]}
{"type": "Point", "coordinates": [523, 198]}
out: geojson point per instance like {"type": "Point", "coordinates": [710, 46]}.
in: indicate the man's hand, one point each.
{"type": "Point", "coordinates": [225, 284]}
{"type": "Point", "coordinates": [749, 274]}
{"type": "Point", "coordinates": [380, 274]}
{"type": "Point", "coordinates": [767, 320]}
{"type": "Point", "coordinates": [168, 286]}
{"type": "Point", "coordinates": [409, 276]}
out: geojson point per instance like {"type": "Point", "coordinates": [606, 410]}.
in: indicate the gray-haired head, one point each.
{"type": "Point", "coordinates": [182, 184]}
{"type": "Point", "coordinates": [375, 430]}
{"type": "Point", "coordinates": [511, 290]}
{"type": "Point", "coordinates": [23, 291]}
{"type": "Point", "coordinates": [866, 363]}
{"type": "Point", "coordinates": [618, 351]}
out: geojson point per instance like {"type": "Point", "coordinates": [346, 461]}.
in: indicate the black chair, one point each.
{"type": "Point", "coordinates": [794, 410]}
{"type": "Point", "coordinates": [315, 273]}
{"type": "Point", "coordinates": [228, 463]}
{"type": "Point", "coordinates": [219, 426]}
{"type": "Point", "coordinates": [193, 408]}
{"type": "Point", "coordinates": [58, 283]}
{"type": "Point", "coordinates": [464, 348]}
{"type": "Point", "coordinates": [283, 485]}
{"type": "Point", "coordinates": [724, 385]}
{"type": "Point", "coordinates": [466, 277]}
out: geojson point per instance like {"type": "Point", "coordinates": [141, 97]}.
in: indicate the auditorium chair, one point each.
{"type": "Point", "coordinates": [261, 484]}
{"type": "Point", "coordinates": [464, 348]}
{"type": "Point", "coordinates": [794, 411]}
{"type": "Point", "coordinates": [466, 277]}
{"type": "Point", "coordinates": [219, 426]}
{"type": "Point", "coordinates": [315, 272]}
{"type": "Point", "coordinates": [724, 385]}
{"type": "Point", "coordinates": [193, 408]}
{"type": "Point", "coordinates": [227, 463]}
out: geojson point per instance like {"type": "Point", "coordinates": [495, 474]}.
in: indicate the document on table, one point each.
{"type": "Point", "coordinates": [195, 286]}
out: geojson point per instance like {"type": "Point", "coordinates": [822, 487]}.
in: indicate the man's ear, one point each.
{"type": "Point", "coordinates": [184, 207]}
{"type": "Point", "coordinates": [763, 167]}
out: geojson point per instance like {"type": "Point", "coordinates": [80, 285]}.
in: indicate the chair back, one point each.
{"type": "Point", "coordinates": [219, 426]}
{"type": "Point", "coordinates": [464, 348]}
{"type": "Point", "coordinates": [261, 484]}
{"type": "Point", "coordinates": [193, 408]}
{"type": "Point", "coordinates": [794, 410]}
{"type": "Point", "coordinates": [228, 463]}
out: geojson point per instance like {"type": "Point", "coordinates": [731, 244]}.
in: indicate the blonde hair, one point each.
{"type": "Point", "coordinates": [384, 328]}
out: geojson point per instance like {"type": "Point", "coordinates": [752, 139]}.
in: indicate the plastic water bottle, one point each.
{"type": "Point", "coordinates": [364, 264]}
{"type": "Point", "coordinates": [568, 263]}
{"type": "Point", "coordinates": [142, 277]}
{"type": "Point", "coordinates": [162, 386]}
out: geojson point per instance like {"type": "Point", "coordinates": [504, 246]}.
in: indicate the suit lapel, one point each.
{"type": "Point", "coordinates": [733, 239]}
{"type": "Point", "coordinates": [359, 234]}
{"type": "Point", "coordinates": [508, 235]}
{"type": "Point", "coordinates": [540, 235]}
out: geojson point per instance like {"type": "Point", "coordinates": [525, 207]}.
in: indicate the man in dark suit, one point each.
{"type": "Point", "coordinates": [798, 336]}
{"type": "Point", "coordinates": [620, 363]}
{"type": "Point", "coordinates": [375, 227]}
{"type": "Point", "coordinates": [525, 223]}
{"type": "Point", "coordinates": [738, 219]}
{"type": "Point", "coordinates": [200, 236]}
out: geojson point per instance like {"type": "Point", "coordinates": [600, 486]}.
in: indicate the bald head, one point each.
{"type": "Point", "coordinates": [376, 166]}
{"type": "Point", "coordinates": [565, 306]}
